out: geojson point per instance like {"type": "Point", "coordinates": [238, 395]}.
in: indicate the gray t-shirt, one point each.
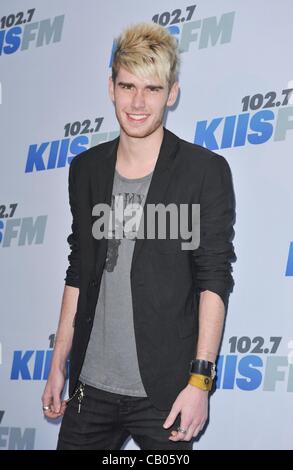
{"type": "Point", "coordinates": [111, 359]}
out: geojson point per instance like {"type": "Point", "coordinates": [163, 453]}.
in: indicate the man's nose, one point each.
{"type": "Point", "coordinates": [138, 101]}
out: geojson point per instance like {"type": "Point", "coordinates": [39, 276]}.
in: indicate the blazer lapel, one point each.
{"type": "Point", "coordinates": [159, 181]}
{"type": "Point", "coordinates": [102, 179]}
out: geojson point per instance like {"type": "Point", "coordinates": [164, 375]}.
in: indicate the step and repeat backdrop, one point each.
{"type": "Point", "coordinates": [236, 99]}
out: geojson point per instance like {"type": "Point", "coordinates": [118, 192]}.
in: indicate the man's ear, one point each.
{"type": "Point", "coordinates": [173, 93]}
{"type": "Point", "coordinates": [111, 89]}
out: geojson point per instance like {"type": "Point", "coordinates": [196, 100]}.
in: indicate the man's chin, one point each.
{"type": "Point", "coordinates": [139, 133]}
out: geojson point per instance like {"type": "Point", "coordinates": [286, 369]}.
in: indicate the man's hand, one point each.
{"type": "Point", "coordinates": [192, 403]}
{"type": "Point", "coordinates": [52, 394]}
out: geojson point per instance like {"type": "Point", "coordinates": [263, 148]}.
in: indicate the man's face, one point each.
{"type": "Point", "coordinates": [140, 103]}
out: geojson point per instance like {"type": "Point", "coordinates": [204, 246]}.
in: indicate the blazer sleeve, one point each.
{"type": "Point", "coordinates": [213, 258]}
{"type": "Point", "coordinates": [72, 273]}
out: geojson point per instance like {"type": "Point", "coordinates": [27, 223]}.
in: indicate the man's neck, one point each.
{"type": "Point", "coordinates": [138, 155]}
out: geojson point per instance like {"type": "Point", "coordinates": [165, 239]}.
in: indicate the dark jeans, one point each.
{"type": "Point", "coordinates": [107, 419]}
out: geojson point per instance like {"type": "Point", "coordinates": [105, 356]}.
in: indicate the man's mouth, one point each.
{"type": "Point", "coordinates": [137, 117]}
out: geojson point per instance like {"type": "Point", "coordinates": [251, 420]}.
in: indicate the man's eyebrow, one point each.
{"type": "Point", "coordinates": [160, 87]}
{"type": "Point", "coordinates": [126, 83]}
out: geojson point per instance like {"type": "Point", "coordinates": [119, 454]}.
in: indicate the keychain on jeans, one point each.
{"type": "Point", "coordinates": [80, 390]}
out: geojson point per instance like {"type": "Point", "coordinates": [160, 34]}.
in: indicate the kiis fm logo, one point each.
{"type": "Point", "coordinates": [26, 230]}
{"type": "Point", "coordinates": [206, 32]}
{"type": "Point", "coordinates": [33, 364]}
{"type": "Point", "coordinates": [255, 365]}
{"type": "Point", "coordinates": [251, 126]}
{"type": "Point", "coordinates": [18, 32]}
{"type": "Point", "coordinates": [16, 438]}
{"type": "Point", "coordinates": [78, 137]}
{"type": "Point", "coordinates": [260, 369]}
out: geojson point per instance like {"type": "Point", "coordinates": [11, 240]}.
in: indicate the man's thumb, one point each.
{"type": "Point", "coordinates": [169, 421]}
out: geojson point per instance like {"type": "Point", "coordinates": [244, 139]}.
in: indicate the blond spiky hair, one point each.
{"type": "Point", "coordinates": [147, 50]}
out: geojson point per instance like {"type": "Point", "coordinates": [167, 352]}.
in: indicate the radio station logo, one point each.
{"type": "Point", "coordinates": [16, 438]}
{"type": "Point", "coordinates": [33, 364]}
{"type": "Point", "coordinates": [20, 32]}
{"type": "Point", "coordinates": [251, 364]}
{"type": "Point", "coordinates": [264, 116]}
{"type": "Point", "coordinates": [78, 137]}
{"type": "Point", "coordinates": [20, 231]}
{"type": "Point", "coordinates": [191, 31]}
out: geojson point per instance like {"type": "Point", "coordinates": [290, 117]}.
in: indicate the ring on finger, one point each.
{"type": "Point", "coordinates": [179, 429]}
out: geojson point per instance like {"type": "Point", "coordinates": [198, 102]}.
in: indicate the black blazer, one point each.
{"type": "Point", "coordinates": [165, 280]}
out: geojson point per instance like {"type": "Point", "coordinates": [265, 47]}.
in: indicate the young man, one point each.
{"type": "Point", "coordinates": [141, 317]}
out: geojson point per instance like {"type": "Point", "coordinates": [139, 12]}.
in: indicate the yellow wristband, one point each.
{"type": "Point", "coordinates": [201, 381]}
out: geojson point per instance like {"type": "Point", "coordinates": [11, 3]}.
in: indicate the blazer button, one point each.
{"type": "Point", "coordinates": [94, 282]}
{"type": "Point", "coordinates": [88, 319]}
